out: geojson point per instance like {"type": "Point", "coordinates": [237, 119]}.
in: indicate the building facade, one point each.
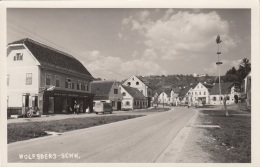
{"type": "Point", "coordinates": [41, 77]}
{"type": "Point", "coordinates": [137, 83]}
{"type": "Point", "coordinates": [200, 94]}
{"type": "Point", "coordinates": [107, 91]}
{"type": "Point", "coordinates": [228, 90]}
{"type": "Point", "coordinates": [132, 98]}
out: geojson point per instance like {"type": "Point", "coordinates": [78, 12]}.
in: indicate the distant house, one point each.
{"type": "Point", "coordinates": [46, 79]}
{"type": "Point", "coordinates": [228, 90]}
{"type": "Point", "coordinates": [200, 93]}
{"type": "Point", "coordinates": [132, 98]}
{"type": "Point", "coordinates": [155, 99]}
{"type": "Point", "coordinates": [165, 97]}
{"type": "Point", "coordinates": [107, 91]}
{"type": "Point", "coordinates": [168, 96]}
{"type": "Point", "coordinates": [184, 95]}
{"type": "Point", "coordinates": [138, 83]}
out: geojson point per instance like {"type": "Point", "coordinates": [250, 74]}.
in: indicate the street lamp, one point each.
{"type": "Point", "coordinates": [218, 41]}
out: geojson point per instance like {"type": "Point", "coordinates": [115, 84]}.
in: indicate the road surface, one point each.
{"type": "Point", "coordinates": [136, 140]}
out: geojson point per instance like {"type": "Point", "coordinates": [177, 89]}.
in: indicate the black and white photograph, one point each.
{"type": "Point", "coordinates": [129, 85]}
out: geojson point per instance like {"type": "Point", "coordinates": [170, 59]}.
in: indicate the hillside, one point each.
{"type": "Point", "coordinates": [159, 83]}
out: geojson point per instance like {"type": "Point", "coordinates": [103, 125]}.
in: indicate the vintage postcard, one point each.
{"type": "Point", "coordinates": [117, 83]}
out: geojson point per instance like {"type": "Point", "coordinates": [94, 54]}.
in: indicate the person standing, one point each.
{"type": "Point", "coordinates": [75, 107]}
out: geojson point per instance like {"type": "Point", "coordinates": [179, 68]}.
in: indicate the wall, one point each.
{"type": "Point", "coordinates": [126, 98]}
{"type": "Point", "coordinates": [115, 97]}
{"type": "Point", "coordinates": [198, 92]}
{"type": "Point", "coordinates": [163, 98]}
{"type": "Point", "coordinates": [17, 71]}
{"type": "Point", "coordinates": [141, 87]}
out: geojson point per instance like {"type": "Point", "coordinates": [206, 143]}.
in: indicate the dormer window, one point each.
{"type": "Point", "coordinates": [18, 57]}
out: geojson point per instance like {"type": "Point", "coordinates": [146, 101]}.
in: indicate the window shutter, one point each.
{"type": "Point", "coordinates": [72, 85]}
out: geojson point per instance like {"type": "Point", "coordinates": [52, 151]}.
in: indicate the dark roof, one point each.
{"type": "Point", "coordinates": [135, 93]}
{"type": "Point", "coordinates": [184, 91]}
{"type": "Point", "coordinates": [225, 88]}
{"type": "Point", "coordinates": [48, 56]}
{"type": "Point", "coordinates": [208, 86]}
{"type": "Point", "coordinates": [101, 89]}
{"type": "Point", "coordinates": [176, 90]}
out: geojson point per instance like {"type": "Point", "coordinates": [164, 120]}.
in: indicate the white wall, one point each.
{"type": "Point", "coordinates": [141, 87]}
{"type": "Point", "coordinates": [163, 98]}
{"type": "Point", "coordinates": [17, 71]}
{"type": "Point", "coordinates": [200, 91]}
{"type": "Point", "coordinates": [115, 97]}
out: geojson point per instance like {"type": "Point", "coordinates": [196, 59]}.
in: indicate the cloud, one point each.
{"type": "Point", "coordinates": [143, 15]}
{"type": "Point", "coordinates": [181, 34]}
{"type": "Point", "coordinates": [227, 64]}
{"type": "Point", "coordinates": [109, 67]}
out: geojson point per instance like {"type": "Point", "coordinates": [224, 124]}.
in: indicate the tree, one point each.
{"type": "Point", "coordinates": [244, 69]}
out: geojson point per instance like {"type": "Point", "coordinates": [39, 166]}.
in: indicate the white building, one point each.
{"type": "Point", "coordinates": [228, 90]}
{"type": "Point", "coordinates": [132, 98]}
{"type": "Point", "coordinates": [139, 84]}
{"type": "Point", "coordinates": [33, 68]}
{"type": "Point", "coordinates": [107, 91]}
{"type": "Point", "coordinates": [200, 93]}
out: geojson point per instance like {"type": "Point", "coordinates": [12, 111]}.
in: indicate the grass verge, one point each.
{"type": "Point", "coordinates": [232, 142]}
{"type": "Point", "coordinates": [29, 130]}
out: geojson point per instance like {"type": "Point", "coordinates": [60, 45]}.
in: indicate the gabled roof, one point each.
{"type": "Point", "coordinates": [184, 91]}
{"type": "Point", "coordinates": [135, 93]}
{"type": "Point", "coordinates": [225, 88]}
{"type": "Point", "coordinates": [48, 56]}
{"type": "Point", "coordinates": [101, 89]}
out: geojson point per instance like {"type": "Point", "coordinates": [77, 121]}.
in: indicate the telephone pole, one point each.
{"type": "Point", "coordinates": [218, 41]}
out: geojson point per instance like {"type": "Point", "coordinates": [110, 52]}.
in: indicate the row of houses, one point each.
{"type": "Point", "coordinates": [200, 93]}
{"type": "Point", "coordinates": [42, 77]}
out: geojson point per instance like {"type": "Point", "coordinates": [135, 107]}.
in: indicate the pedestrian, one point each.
{"type": "Point", "coordinates": [75, 107]}
{"type": "Point", "coordinates": [78, 106]}
{"type": "Point", "coordinates": [225, 105]}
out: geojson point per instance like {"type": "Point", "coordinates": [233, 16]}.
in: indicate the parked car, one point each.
{"type": "Point", "coordinates": [102, 107]}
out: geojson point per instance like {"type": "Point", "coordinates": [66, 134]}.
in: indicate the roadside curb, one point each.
{"type": "Point", "coordinates": [171, 153]}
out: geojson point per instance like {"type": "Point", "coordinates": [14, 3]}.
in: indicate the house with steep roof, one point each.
{"type": "Point", "coordinates": [185, 94]}
{"type": "Point", "coordinates": [44, 78]}
{"type": "Point", "coordinates": [107, 91]}
{"type": "Point", "coordinates": [200, 93]}
{"type": "Point", "coordinates": [142, 86]}
{"type": "Point", "coordinates": [165, 96]}
{"type": "Point", "coordinates": [228, 90]}
{"type": "Point", "coordinates": [132, 98]}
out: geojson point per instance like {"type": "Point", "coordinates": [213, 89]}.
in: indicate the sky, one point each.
{"type": "Point", "coordinates": [114, 44]}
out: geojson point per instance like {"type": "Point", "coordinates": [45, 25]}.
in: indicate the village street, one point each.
{"type": "Point", "coordinates": [141, 139]}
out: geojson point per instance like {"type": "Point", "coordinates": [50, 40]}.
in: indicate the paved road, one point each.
{"type": "Point", "coordinates": [141, 139]}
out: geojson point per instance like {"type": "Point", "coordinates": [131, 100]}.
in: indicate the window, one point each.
{"type": "Point", "coordinates": [8, 79]}
{"type": "Point", "coordinates": [214, 98]}
{"type": "Point", "coordinates": [79, 85]}
{"type": "Point", "coordinates": [115, 91]}
{"type": "Point", "coordinates": [28, 78]}
{"type": "Point", "coordinates": [137, 83]}
{"type": "Point", "coordinates": [199, 93]}
{"type": "Point", "coordinates": [48, 79]}
{"type": "Point", "coordinates": [113, 103]}
{"type": "Point", "coordinates": [228, 98]}
{"type": "Point", "coordinates": [127, 103]}
{"type": "Point", "coordinates": [87, 86]}
{"type": "Point", "coordinates": [69, 84]}
{"type": "Point", "coordinates": [141, 91]}
{"type": "Point", "coordinates": [18, 56]}
{"type": "Point", "coordinates": [195, 93]}
{"type": "Point", "coordinates": [34, 101]}
{"type": "Point", "coordinates": [221, 98]}
{"type": "Point", "coordinates": [129, 83]}
{"type": "Point", "coordinates": [133, 78]}
{"type": "Point", "coordinates": [57, 81]}
{"type": "Point", "coordinates": [123, 94]}
{"type": "Point", "coordinates": [205, 93]}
